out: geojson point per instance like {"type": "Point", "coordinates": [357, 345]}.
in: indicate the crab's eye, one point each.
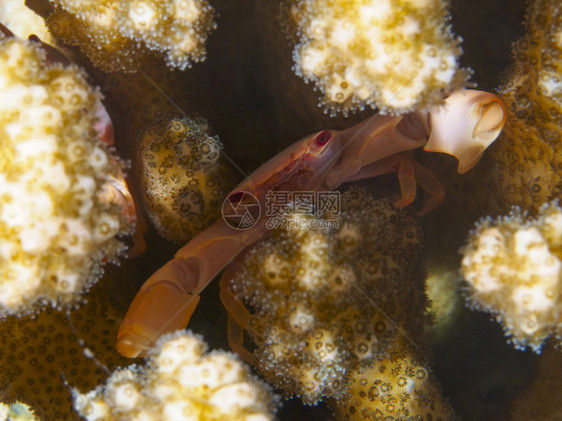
{"type": "Point", "coordinates": [322, 138]}
{"type": "Point", "coordinates": [235, 197]}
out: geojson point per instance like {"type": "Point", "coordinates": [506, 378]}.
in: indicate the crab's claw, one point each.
{"type": "Point", "coordinates": [466, 125]}
{"type": "Point", "coordinates": [161, 306]}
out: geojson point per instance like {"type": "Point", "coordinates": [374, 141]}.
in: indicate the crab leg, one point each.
{"type": "Point", "coordinates": [238, 315]}
{"type": "Point", "coordinates": [410, 173]}
{"type": "Point", "coordinates": [467, 123]}
{"type": "Point", "coordinates": [238, 319]}
{"type": "Point", "coordinates": [167, 300]}
{"type": "Point", "coordinates": [376, 138]}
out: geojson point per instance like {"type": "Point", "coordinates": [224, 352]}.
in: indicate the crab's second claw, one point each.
{"type": "Point", "coordinates": [159, 309]}
{"type": "Point", "coordinates": [466, 125]}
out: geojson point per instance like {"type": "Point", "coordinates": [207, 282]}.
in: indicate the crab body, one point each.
{"type": "Point", "coordinates": [321, 161]}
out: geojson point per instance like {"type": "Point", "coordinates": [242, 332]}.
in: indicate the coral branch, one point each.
{"type": "Point", "coordinates": [56, 227]}
{"type": "Point", "coordinates": [118, 34]}
{"type": "Point", "coordinates": [395, 55]}
{"type": "Point", "coordinates": [528, 170]}
{"type": "Point", "coordinates": [183, 176]}
{"type": "Point", "coordinates": [327, 304]}
{"type": "Point", "coordinates": [181, 382]}
{"type": "Point", "coordinates": [514, 270]}
{"type": "Point", "coordinates": [16, 411]}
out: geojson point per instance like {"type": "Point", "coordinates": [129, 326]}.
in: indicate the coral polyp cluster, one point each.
{"type": "Point", "coordinates": [395, 55]}
{"type": "Point", "coordinates": [393, 388]}
{"type": "Point", "coordinates": [118, 34]}
{"type": "Point", "coordinates": [528, 170]}
{"type": "Point", "coordinates": [183, 175]}
{"type": "Point", "coordinates": [512, 264]}
{"type": "Point", "coordinates": [325, 305]}
{"type": "Point", "coordinates": [513, 268]}
{"type": "Point", "coordinates": [46, 352]}
{"type": "Point", "coordinates": [181, 382]}
{"type": "Point", "coordinates": [56, 225]}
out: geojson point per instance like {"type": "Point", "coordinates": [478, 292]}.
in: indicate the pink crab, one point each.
{"type": "Point", "coordinates": [464, 126]}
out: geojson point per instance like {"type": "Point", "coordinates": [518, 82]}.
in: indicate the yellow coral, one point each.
{"type": "Point", "coordinates": [44, 351]}
{"type": "Point", "coordinates": [118, 34]}
{"type": "Point", "coordinates": [183, 177]}
{"type": "Point", "coordinates": [181, 382]}
{"type": "Point", "coordinates": [55, 225]}
{"type": "Point", "coordinates": [396, 55]}
{"type": "Point", "coordinates": [528, 158]}
{"type": "Point", "coordinates": [513, 267]}
{"type": "Point", "coordinates": [393, 388]}
{"type": "Point", "coordinates": [325, 303]}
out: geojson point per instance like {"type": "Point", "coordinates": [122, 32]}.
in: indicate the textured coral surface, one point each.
{"type": "Point", "coordinates": [326, 310]}
{"type": "Point", "coordinates": [47, 353]}
{"type": "Point", "coordinates": [528, 170]}
{"type": "Point", "coordinates": [514, 270]}
{"type": "Point", "coordinates": [183, 177]}
{"type": "Point", "coordinates": [393, 387]}
{"type": "Point", "coordinates": [116, 33]}
{"type": "Point", "coordinates": [57, 228]}
{"type": "Point", "coordinates": [392, 55]}
{"type": "Point", "coordinates": [181, 382]}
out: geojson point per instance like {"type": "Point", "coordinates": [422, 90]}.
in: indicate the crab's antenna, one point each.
{"type": "Point", "coordinates": [74, 392]}
{"type": "Point", "coordinates": [87, 351]}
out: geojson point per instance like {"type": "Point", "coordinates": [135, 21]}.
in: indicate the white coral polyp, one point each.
{"type": "Point", "coordinates": [529, 241]}
{"type": "Point", "coordinates": [514, 269]}
{"type": "Point", "coordinates": [25, 280]}
{"type": "Point", "coordinates": [52, 169]}
{"type": "Point", "coordinates": [532, 299]}
{"type": "Point", "coordinates": [392, 55]}
{"type": "Point", "coordinates": [142, 16]}
{"type": "Point", "coordinates": [234, 398]}
{"type": "Point", "coordinates": [125, 393]}
{"type": "Point", "coordinates": [182, 382]}
{"type": "Point", "coordinates": [35, 147]}
{"type": "Point", "coordinates": [301, 319]}
{"type": "Point", "coordinates": [174, 354]}
{"type": "Point", "coordinates": [553, 229]}
{"type": "Point", "coordinates": [181, 411]}
{"type": "Point", "coordinates": [117, 34]}
{"type": "Point", "coordinates": [187, 10]}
